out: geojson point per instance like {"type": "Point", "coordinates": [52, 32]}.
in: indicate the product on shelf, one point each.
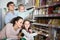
{"type": "Point", "coordinates": [43, 2]}
{"type": "Point", "coordinates": [37, 3]}
{"type": "Point", "coordinates": [55, 22]}
{"type": "Point", "coordinates": [48, 2]}
{"type": "Point", "coordinates": [50, 10]}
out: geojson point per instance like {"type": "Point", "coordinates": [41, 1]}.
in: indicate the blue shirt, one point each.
{"type": "Point", "coordinates": [24, 14]}
{"type": "Point", "coordinates": [9, 16]}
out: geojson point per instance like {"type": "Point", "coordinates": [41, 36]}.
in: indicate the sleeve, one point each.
{"type": "Point", "coordinates": [29, 11]}
{"type": "Point", "coordinates": [7, 19]}
{"type": "Point", "coordinates": [8, 32]}
{"type": "Point", "coordinates": [16, 12]}
{"type": "Point", "coordinates": [28, 34]}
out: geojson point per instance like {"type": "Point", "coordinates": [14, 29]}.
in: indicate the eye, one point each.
{"type": "Point", "coordinates": [21, 22]}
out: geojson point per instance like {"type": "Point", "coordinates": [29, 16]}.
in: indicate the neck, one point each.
{"type": "Point", "coordinates": [11, 11]}
{"type": "Point", "coordinates": [15, 27]}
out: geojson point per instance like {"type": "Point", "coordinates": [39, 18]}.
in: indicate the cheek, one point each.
{"type": "Point", "coordinates": [12, 7]}
{"type": "Point", "coordinates": [27, 25]}
{"type": "Point", "coordinates": [20, 24]}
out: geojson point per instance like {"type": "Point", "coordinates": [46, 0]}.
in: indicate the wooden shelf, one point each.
{"type": "Point", "coordinates": [40, 24]}
{"type": "Point", "coordinates": [46, 31]}
{"type": "Point", "coordinates": [50, 16]}
{"type": "Point", "coordinates": [47, 25]}
{"type": "Point", "coordinates": [46, 6]}
{"type": "Point", "coordinates": [32, 20]}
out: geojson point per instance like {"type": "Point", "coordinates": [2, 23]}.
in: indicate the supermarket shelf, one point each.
{"type": "Point", "coordinates": [50, 16]}
{"type": "Point", "coordinates": [46, 6]}
{"type": "Point", "coordinates": [45, 34]}
{"type": "Point", "coordinates": [47, 25]}
{"type": "Point", "coordinates": [46, 31]}
{"type": "Point", "coordinates": [32, 20]}
{"type": "Point", "coordinates": [40, 24]}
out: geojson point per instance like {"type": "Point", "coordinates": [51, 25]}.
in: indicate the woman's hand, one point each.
{"type": "Point", "coordinates": [19, 36]}
{"type": "Point", "coordinates": [30, 30]}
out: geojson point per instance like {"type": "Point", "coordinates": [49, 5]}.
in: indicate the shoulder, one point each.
{"type": "Point", "coordinates": [9, 25]}
{"type": "Point", "coordinates": [23, 30]}
{"type": "Point", "coordinates": [8, 13]}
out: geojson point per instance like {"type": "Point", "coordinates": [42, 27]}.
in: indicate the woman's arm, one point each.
{"type": "Point", "coordinates": [28, 34]}
{"type": "Point", "coordinates": [29, 11]}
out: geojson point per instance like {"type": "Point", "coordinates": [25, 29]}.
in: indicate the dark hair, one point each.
{"type": "Point", "coordinates": [20, 5]}
{"type": "Point", "coordinates": [22, 34]}
{"type": "Point", "coordinates": [9, 3]}
{"type": "Point", "coordinates": [26, 20]}
{"type": "Point", "coordinates": [24, 26]}
{"type": "Point", "coordinates": [15, 19]}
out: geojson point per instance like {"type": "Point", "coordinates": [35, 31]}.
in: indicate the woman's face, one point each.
{"type": "Point", "coordinates": [19, 23]}
{"type": "Point", "coordinates": [27, 24]}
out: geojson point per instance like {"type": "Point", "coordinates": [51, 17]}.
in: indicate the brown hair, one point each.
{"type": "Point", "coordinates": [24, 26]}
{"type": "Point", "coordinates": [15, 19]}
{"type": "Point", "coordinates": [20, 5]}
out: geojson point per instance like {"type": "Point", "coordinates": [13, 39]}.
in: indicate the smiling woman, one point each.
{"type": "Point", "coordinates": [12, 29]}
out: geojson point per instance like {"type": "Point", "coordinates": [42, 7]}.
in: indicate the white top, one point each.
{"type": "Point", "coordinates": [28, 36]}
{"type": "Point", "coordinates": [9, 32]}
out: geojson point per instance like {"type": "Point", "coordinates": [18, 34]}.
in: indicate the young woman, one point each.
{"type": "Point", "coordinates": [28, 32]}
{"type": "Point", "coordinates": [11, 30]}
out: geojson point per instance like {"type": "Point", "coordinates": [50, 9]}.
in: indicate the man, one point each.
{"type": "Point", "coordinates": [11, 13]}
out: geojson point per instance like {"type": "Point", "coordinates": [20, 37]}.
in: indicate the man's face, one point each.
{"type": "Point", "coordinates": [11, 7]}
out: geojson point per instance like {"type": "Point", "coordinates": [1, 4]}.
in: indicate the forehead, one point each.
{"type": "Point", "coordinates": [20, 20]}
{"type": "Point", "coordinates": [27, 22]}
{"type": "Point", "coordinates": [22, 6]}
{"type": "Point", "coordinates": [12, 4]}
